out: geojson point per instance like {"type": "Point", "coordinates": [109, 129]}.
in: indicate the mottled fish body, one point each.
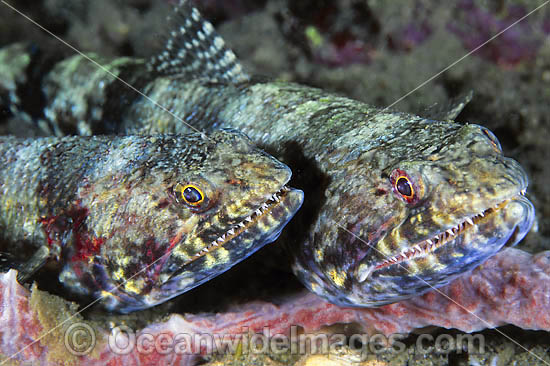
{"type": "Point", "coordinates": [137, 220]}
{"type": "Point", "coordinates": [396, 204]}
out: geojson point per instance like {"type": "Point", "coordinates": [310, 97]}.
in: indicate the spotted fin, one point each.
{"type": "Point", "coordinates": [194, 50]}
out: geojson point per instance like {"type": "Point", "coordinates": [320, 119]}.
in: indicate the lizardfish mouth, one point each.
{"type": "Point", "coordinates": [437, 259]}
{"type": "Point", "coordinates": [430, 245]}
{"type": "Point", "coordinates": [255, 219]}
{"type": "Point", "coordinates": [261, 227]}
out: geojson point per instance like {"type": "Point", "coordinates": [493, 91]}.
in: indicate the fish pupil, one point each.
{"type": "Point", "coordinates": [404, 187]}
{"type": "Point", "coordinates": [192, 195]}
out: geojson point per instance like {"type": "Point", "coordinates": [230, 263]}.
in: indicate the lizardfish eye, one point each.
{"type": "Point", "coordinates": [403, 186]}
{"type": "Point", "coordinates": [492, 138]}
{"type": "Point", "coordinates": [190, 194]}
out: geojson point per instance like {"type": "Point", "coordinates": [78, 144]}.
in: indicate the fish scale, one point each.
{"type": "Point", "coordinates": [349, 157]}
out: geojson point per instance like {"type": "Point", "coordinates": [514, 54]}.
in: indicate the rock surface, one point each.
{"type": "Point", "coordinates": [511, 288]}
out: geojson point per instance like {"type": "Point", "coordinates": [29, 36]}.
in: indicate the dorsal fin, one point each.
{"type": "Point", "coordinates": [449, 110]}
{"type": "Point", "coordinates": [194, 50]}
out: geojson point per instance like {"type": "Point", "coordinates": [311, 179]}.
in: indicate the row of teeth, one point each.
{"type": "Point", "coordinates": [241, 226]}
{"type": "Point", "coordinates": [430, 245]}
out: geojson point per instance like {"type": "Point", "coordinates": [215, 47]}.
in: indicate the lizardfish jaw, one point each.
{"type": "Point", "coordinates": [263, 227]}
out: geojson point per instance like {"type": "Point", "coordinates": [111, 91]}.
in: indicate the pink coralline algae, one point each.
{"type": "Point", "coordinates": [475, 26]}
{"type": "Point", "coordinates": [511, 288]}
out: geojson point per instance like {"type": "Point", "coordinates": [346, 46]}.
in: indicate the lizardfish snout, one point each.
{"type": "Point", "coordinates": [419, 220]}
{"type": "Point", "coordinates": [459, 209]}
{"type": "Point", "coordinates": [522, 211]}
{"type": "Point", "coordinates": [261, 227]}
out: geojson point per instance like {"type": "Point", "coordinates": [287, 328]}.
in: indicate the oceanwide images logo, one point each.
{"type": "Point", "coordinates": [80, 339]}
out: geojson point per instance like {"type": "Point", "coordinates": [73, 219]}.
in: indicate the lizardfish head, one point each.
{"type": "Point", "coordinates": [184, 215]}
{"type": "Point", "coordinates": [441, 199]}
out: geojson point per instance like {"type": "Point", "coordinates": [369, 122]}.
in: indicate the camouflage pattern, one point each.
{"type": "Point", "coordinates": [396, 204]}
{"type": "Point", "coordinates": [137, 220]}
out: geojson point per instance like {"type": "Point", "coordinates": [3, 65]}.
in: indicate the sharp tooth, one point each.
{"type": "Point", "coordinates": [429, 241]}
{"type": "Point", "coordinates": [264, 206]}
{"type": "Point", "coordinates": [470, 221]}
{"type": "Point", "coordinates": [214, 244]}
{"type": "Point", "coordinates": [231, 232]}
{"type": "Point", "coordinates": [363, 273]}
{"type": "Point", "coordinates": [417, 247]}
{"type": "Point", "coordinates": [249, 219]}
{"type": "Point", "coordinates": [276, 198]}
{"type": "Point", "coordinates": [450, 232]}
{"type": "Point", "coordinates": [241, 224]}
{"type": "Point", "coordinates": [220, 240]}
{"type": "Point", "coordinates": [258, 212]}
{"type": "Point", "coordinates": [481, 214]}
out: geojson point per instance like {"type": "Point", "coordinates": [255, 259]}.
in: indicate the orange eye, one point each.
{"type": "Point", "coordinates": [190, 194]}
{"type": "Point", "coordinates": [404, 187]}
